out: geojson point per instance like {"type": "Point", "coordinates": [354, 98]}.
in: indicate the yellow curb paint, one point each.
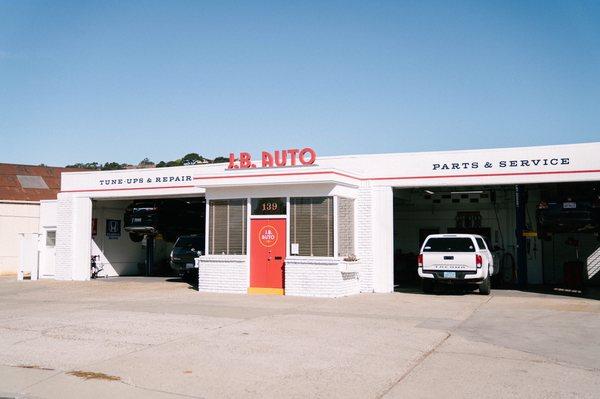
{"type": "Point", "coordinates": [265, 291]}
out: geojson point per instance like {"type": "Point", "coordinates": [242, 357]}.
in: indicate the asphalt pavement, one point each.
{"type": "Point", "coordinates": [160, 338]}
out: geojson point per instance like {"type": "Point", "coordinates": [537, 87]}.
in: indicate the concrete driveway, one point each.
{"type": "Point", "coordinates": [155, 338]}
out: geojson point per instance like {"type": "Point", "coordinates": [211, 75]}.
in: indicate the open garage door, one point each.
{"type": "Point", "coordinates": [136, 237]}
{"type": "Point", "coordinates": [568, 225]}
{"type": "Point", "coordinates": [566, 254]}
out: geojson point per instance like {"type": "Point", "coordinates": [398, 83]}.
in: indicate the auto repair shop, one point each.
{"type": "Point", "coordinates": [293, 223]}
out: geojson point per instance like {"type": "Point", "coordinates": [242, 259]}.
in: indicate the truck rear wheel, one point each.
{"type": "Point", "coordinates": [427, 285]}
{"type": "Point", "coordinates": [485, 287]}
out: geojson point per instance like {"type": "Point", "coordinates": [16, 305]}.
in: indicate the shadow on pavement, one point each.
{"type": "Point", "coordinates": [193, 283]}
{"type": "Point", "coordinates": [442, 289]}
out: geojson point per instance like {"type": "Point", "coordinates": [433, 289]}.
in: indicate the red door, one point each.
{"type": "Point", "coordinates": [267, 255]}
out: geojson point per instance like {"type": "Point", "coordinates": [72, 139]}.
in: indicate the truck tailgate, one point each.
{"type": "Point", "coordinates": [445, 261]}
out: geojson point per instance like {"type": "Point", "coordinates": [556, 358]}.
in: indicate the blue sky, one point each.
{"type": "Point", "coordinates": [107, 81]}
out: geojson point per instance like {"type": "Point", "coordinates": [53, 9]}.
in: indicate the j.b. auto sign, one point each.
{"type": "Point", "coordinates": [276, 159]}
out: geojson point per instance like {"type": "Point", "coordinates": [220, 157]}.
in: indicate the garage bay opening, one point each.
{"type": "Point", "coordinates": [542, 236]}
{"type": "Point", "coordinates": [148, 237]}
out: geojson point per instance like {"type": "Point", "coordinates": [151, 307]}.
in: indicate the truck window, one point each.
{"type": "Point", "coordinates": [480, 243]}
{"type": "Point", "coordinates": [449, 244]}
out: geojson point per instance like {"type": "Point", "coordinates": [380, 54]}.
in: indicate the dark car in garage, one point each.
{"type": "Point", "coordinates": [167, 217]}
{"type": "Point", "coordinates": [568, 215]}
{"type": "Point", "coordinates": [183, 256]}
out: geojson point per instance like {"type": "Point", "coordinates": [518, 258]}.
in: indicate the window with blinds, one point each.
{"type": "Point", "coordinates": [345, 215]}
{"type": "Point", "coordinates": [227, 227]}
{"type": "Point", "coordinates": [311, 226]}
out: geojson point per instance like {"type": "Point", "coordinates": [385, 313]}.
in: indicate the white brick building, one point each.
{"type": "Point", "coordinates": [288, 229]}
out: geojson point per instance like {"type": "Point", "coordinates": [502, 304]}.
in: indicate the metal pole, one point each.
{"type": "Point", "coordinates": [520, 205]}
{"type": "Point", "coordinates": [149, 254]}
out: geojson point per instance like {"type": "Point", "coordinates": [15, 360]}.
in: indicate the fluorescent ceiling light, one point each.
{"type": "Point", "coordinates": [429, 192]}
{"type": "Point", "coordinates": [466, 192]}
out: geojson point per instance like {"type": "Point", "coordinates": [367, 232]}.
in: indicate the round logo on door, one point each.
{"type": "Point", "coordinates": [267, 236]}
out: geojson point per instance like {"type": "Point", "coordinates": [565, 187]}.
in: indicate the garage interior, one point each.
{"type": "Point", "coordinates": [123, 254]}
{"type": "Point", "coordinates": [562, 254]}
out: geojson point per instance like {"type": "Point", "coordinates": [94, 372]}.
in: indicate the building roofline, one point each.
{"type": "Point", "coordinates": [367, 155]}
{"type": "Point", "coordinates": [23, 202]}
{"type": "Point", "coordinates": [459, 151]}
{"type": "Point", "coordinates": [35, 166]}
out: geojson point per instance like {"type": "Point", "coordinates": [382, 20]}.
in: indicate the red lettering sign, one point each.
{"type": "Point", "coordinates": [277, 159]}
{"type": "Point", "coordinates": [268, 236]}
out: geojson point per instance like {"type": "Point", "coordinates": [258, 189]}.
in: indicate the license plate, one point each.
{"type": "Point", "coordinates": [189, 265]}
{"type": "Point", "coordinates": [137, 220]}
{"type": "Point", "coordinates": [569, 205]}
{"type": "Point", "coordinates": [449, 274]}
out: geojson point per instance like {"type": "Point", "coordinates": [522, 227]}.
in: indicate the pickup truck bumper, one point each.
{"type": "Point", "coordinates": [474, 276]}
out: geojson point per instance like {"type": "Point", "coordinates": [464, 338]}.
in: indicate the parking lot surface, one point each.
{"type": "Point", "coordinates": [159, 338]}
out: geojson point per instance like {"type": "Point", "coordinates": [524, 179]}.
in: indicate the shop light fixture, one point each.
{"type": "Point", "coordinates": [466, 192]}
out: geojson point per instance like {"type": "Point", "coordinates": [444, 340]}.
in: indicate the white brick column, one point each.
{"type": "Point", "coordinates": [364, 242]}
{"type": "Point", "coordinates": [82, 238]}
{"type": "Point", "coordinates": [73, 238]}
{"type": "Point", "coordinates": [382, 208]}
{"type": "Point", "coordinates": [64, 238]}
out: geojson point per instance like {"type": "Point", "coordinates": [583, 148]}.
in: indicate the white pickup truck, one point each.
{"type": "Point", "coordinates": [455, 259]}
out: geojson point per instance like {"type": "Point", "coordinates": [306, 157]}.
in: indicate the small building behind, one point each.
{"type": "Point", "coordinates": [22, 188]}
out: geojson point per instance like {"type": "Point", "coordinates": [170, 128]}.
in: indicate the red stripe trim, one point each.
{"type": "Point", "coordinates": [488, 175]}
{"type": "Point", "coordinates": [345, 175]}
{"type": "Point", "coordinates": [123, 189]}
{"type": "Point", "coordinates": [400, 177]}
{"type": "Point", "coordinates": [279, 174]}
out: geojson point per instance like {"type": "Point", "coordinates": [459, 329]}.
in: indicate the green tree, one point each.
{"type": "Point", "coordinates": [192, 159]}
{"type": "Point", "coordinates": [112, 166]}
{"type": "Point", "coordinates": [89, 165]}
{"type": "Point", "coordinates": [176, 162]}
{"type": "Point", "coordinates": [221, 160]}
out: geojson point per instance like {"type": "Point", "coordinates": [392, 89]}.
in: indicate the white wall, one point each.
{"type": "Point", "coordinates": [15, 218]}
{"type": "Point", "coordinates": [73, 232]}
{"type": "Point", "coordinates": [82, 231]}
{"type": "Point", "coordinates": [383, 239]}
{"type": "Point", "coordinates": [223, 273]}
{"type": "Point", "coordinates": [48, 209]}
{"type": "Point", "coordinates": [121, 256]}
{"type": "Point", "coordinates": [282, 190]}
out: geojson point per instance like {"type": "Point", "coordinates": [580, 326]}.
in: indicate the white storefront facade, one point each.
{"type": "Point", "coordinates": [335, 218]}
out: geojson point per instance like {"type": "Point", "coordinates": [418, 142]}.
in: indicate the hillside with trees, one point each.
{"type": "Point", "coordinates": [189, 159]}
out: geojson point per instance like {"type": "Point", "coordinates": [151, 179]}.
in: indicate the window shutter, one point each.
{"type": "Point", "coordinates": [311, 225]}
{"type": "Point", "coordinates": [227, 227]}
{"type": "Point", "coordinates": [237, 228]}
{"type": "Point", "coordinates": [322, 226]}
{"type": "Point", "coordinates": [300, 225]}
